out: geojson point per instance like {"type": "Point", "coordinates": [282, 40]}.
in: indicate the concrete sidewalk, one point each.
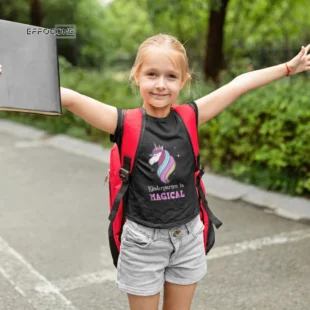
{"type": "Point", "coordinates": [293, 208]}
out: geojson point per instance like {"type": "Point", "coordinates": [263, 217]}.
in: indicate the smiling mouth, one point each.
{"type": "Point", "coordinates": [161, 95]}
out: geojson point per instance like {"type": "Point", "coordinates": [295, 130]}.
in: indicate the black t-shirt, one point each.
{"type": "Point", "coordinates": [162, 191]}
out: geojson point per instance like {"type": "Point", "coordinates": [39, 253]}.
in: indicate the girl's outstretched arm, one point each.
{"type": "Point", "coordinates": [212, 104]}
{"type": "Point", "coordinates": [99, 115]}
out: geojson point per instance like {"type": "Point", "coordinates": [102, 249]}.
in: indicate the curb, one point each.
{"type": "Point", "coordinates": [294, 208]}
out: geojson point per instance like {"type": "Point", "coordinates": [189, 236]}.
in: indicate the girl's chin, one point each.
{"type": "Point", "coordinates": [159, 104]}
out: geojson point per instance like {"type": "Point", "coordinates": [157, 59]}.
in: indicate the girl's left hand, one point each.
{"type": "Point", "coordinates": [301, 62]}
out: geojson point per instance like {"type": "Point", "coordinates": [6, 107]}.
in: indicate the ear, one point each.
{"type": "Point", "coordinates": [185, 81]}
{"type": "Point", "coordinates": [136, 77]}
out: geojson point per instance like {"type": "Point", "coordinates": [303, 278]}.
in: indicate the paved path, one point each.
{"type": "Point", "coordinates": [54, 250]}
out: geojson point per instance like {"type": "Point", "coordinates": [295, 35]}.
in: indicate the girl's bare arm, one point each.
{"type": "Point", "coordinates": [212, 104]}
{"type": "Point", "coordinates": [96, 113]}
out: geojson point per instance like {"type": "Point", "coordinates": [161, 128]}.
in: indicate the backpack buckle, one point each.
{"type": "Point", "coordinates": [124, 174]}
{"type": "Point", "coordinates": [201, 171]}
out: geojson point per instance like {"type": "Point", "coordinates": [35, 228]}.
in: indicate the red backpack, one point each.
{"type": "Point", "coordinates": [123, 160]}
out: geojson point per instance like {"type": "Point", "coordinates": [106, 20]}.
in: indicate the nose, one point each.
{"type": "Point", "coordinates": [161, 83]}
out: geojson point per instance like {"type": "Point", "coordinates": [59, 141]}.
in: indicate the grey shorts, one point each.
{"type": "Point", "coordinates": [149, 257]}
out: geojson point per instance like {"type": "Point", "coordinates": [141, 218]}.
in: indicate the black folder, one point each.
{"type": "Point", "coordinates": [29, 81]}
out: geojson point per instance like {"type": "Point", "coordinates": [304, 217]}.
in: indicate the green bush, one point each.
{"type": "Point", "coordinates": [263, 138]}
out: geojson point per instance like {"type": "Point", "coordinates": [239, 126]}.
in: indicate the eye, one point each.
{"type": "Point", "coordinates": [172, 76]}
{"type": "Point", "coordinates": [151, 74]}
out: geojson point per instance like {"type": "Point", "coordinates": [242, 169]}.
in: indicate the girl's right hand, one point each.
{"type": "Point", "coordinates": [0, 68]}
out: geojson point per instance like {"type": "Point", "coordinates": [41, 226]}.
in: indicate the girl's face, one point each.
{"type": "Point", "coordinates": [160, 81]}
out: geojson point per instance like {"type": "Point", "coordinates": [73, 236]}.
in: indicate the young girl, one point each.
{"type": "Point", "coordinates": [162, 241]}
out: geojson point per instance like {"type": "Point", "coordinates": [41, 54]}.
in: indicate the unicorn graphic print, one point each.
{"type": "Point", "coordinates": [166, 163]}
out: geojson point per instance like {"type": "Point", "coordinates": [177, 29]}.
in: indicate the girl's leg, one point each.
{"type": "Point", "coordinates": [143, 302]}
{"type": "Point", "coordinates": [178, 297]}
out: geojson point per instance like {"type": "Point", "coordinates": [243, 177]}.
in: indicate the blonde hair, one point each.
{"type": "Point", "coordinates": [161, 40]}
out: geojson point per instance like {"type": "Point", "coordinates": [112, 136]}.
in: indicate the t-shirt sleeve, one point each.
{"type": "Point", "coordinates": [194, 106]}
{"type": "Point", "coordinates": [119, 128]}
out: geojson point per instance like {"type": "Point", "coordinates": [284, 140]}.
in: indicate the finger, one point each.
{"type": "Point", "coordinates": [303, 53]}
{"type": "Point", "coordinates": [307, 48]}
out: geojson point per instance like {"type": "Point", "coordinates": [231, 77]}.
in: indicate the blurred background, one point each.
{"type": "Point", "coordinates": [262, 139]}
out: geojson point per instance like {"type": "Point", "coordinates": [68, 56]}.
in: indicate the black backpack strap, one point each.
{"type": "Point", "coordinates": [217, 223]}
{"type": "Point", "coordinates": [124, 175]}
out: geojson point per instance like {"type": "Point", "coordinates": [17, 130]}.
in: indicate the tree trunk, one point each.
{"type": "Point", "coordinates": [214, 49]}
{"type": "Point", "coordinates": [36, 13]}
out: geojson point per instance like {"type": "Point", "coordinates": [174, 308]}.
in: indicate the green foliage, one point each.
{"type": "Point", "coordinates": [263, 138]}
{"type": "Point", "coordinates": [125, 26]}
{"type": "Point", "coordinates": [18, 10]}
{"type": "Point", "coordinates": [88, 16]}
{"type": "Point", "coordinates": [184, 19]}
{"type": "Point", "coordinates": [258, 24]}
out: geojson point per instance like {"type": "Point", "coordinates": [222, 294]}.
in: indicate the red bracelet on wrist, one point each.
{"type": "Point", "coordinates": [288, 70]}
